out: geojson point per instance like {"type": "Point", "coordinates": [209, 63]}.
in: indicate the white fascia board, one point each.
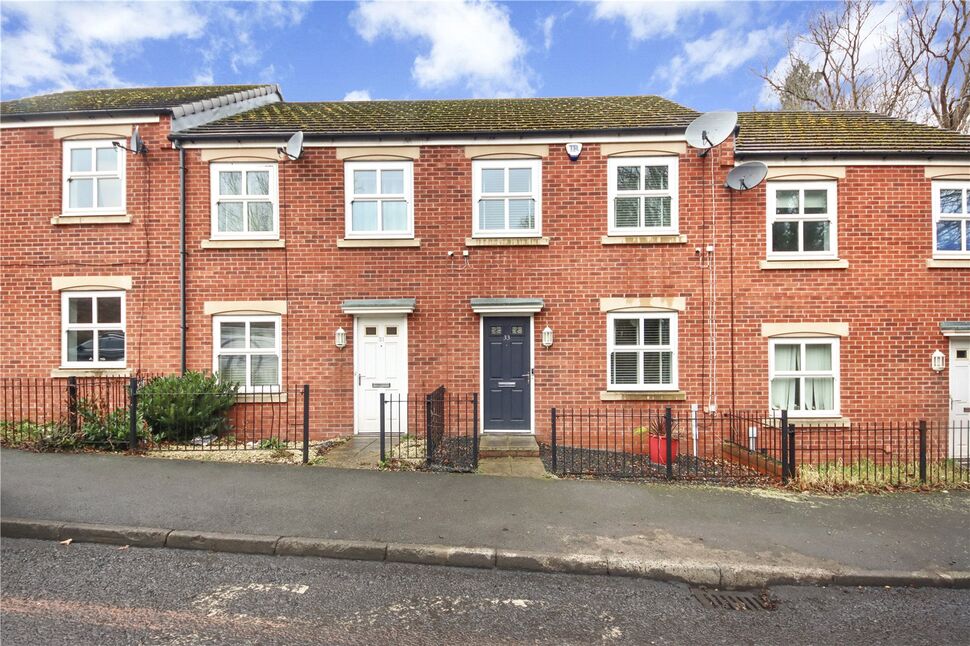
{"type": "Point", "coordinates": [47, 123]}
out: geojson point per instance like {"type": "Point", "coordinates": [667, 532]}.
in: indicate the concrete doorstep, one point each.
{"type": "Point", "coordinates": [730, 575]}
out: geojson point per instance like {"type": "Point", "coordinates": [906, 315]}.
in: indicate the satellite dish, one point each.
{"type": "Point", "coordinates": [710, 129]}
{"type": "Point", "coordinates": [294, 146]}
{"type": "Point", "coordinates": [746, 176]}
{"type": "Point", "coordinates": [137, 145]}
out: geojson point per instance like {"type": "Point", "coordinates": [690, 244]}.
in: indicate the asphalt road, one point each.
{"type": "Point", "coordinates": [99, 594]}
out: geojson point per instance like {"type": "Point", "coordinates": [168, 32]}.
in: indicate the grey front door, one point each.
{"type": "Point", "coordinates": [508, 373]}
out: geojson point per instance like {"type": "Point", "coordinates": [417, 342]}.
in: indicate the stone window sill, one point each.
{"type": "Point", "coordinates": [121, 218]}
{"type": "Point", "coordinates": [803, 264]}
{"type": "Point", "coordinates": [507, 242]}
{"type": "Point", "coordinates": [642, 395]}
{"type": "Point", "coordinates": [91, 372]}
{"type": "Point", "coordinates": [243, 244]}
{"type": "Point", "coordinates": [948, 263]}
{"type": "Point", "coordinates": [819, 421]}
{"type": "Point", "coordinates": [389, 243]}
{"type": "Point", "coordinates": [665, 239]}
{"type": "Point", "coordinates": [260, 398]}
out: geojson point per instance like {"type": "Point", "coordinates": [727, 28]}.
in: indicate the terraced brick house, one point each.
{"type": "Point", "coordinates": [420, 243]}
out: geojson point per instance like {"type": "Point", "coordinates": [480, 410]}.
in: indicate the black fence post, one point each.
{"type": "Point", "coordinates": [428, 429]}
{"type": "Point", "coordinates": [668, 429]}
{"type": "Point", "coordinates": [72, 404]}
{"type": "Point", "coordinates": [555, 459]}
{"type": "Point", "coordinates": [306, 423]}
{"type": "Point", "coordinates": [475, 429]}
{"type": "Point", "coordinates": [791, 451]}
{"type": "Point", "coordinates": [922, 451]}
{"type": "Point", "coordinates": [383, 453]}
{"type": "Point", "coordinates": [784, 446]}
{"type": "Point", "coordinates": [133, 414]}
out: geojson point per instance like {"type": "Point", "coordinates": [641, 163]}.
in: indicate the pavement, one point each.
{"type": "Point", "coordinates": [710, 535]}
{"type": "Point", "coordinates": [100, 594]}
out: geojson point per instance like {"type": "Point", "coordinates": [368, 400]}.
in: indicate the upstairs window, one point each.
{"type": "Point", "coordinates": [643, 195]}
{"type": "Point", "coordinates": [804, 376]}
{"type": "Point", "coordinates": [506, 195]}
{"type": "Point", "coordinates": [802, 223]}
{"type": "Point", "coordinates": [642, 351]}
{"type": "Point", "coordinates": [248, 352]}
{"type": "Point", "coordinates": [245, 205]}
{"type": "Point", "coordinates": [94, 177]}
{"type": "Point", "coordinates": [380, 199]}
{"type": "Point", "coordinates": [93, 329]}
{"type": "Point", "coordinates": [951, 219]}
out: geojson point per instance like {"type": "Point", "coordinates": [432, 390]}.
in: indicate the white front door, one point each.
{"type": "Point", "coordinates": [381, 366]}
{"type": "Point", "coordinates": [960, 398]}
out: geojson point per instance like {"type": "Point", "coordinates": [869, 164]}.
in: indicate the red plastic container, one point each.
{"type": "Point", "coordinates": [658, 448]}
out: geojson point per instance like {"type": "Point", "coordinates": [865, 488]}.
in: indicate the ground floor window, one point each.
{"type": "Point", "coordinates": [804, 375]}
{"type": "Point", "coordinates": [642, 351]}
{"type": "Point", "coordinates": [93, 329]}
{"type": "Point", "coordinates": [247, 351]}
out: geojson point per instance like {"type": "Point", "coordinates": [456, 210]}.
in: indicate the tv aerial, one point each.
{"type": "Point", "coordinates": [294, 146]}
{"type": "Point", "coordinates": [711, 129]}
{"type": "Point", "coordinates": [137, 145]}
{"type": "Point", "coordinates": [746, 176]}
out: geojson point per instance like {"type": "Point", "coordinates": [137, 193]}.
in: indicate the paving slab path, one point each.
{"type": "Point", "coordinates": [654, 521]}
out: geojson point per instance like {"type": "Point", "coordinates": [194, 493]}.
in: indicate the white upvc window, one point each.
{"type": "Point", "coordinates": [93, 329]}
{"type": "Point", "coordinates": [951, 219]}
{"type": "Point", "coordinates": [507, 199]}
{"type": "Point", "coordinates": [245, 201]}
{"type": "Point", "coordinates": [802, 221]}
{"type": "Point", "coordinates": [803, 376]}
{"type": "Point", "coordinates": [94, 177]}
{"type": "Point", "coordinates": [643, 195]}
{"type": "Point", "coordinates": [642, 351]}
{"type": "Point", "coordinates": [247, 351]}
{"type": "Point", "coordinates": [379, 199]}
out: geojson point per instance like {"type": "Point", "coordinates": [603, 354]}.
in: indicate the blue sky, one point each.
{"type": "Point", "coordinates": [702, 54]}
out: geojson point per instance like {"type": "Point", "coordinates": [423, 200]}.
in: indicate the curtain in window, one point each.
{"type": "Point", "coordinates": [819, 393]}
{"type": "Point", "coordinates": [784, 390]}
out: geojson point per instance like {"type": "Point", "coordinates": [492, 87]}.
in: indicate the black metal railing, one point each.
{"type": "Point", "coordinates": [682, 444]}
{"type": "Point", "coordinates": [750, 447]}
{"type": "Point", "coordinates": [111, 413]}
{"type": "Point", "coordinates": [436, 431]}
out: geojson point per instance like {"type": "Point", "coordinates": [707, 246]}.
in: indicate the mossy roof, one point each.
{"type": "Point", "coordinates": [863, 132]}
{"type": "Point", "coordinates": [442, 117]}
{"type": "Point", "coordinates": [141, 99]}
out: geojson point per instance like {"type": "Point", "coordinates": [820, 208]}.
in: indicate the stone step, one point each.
{"type": "Point", "coordinates": [503, 445]}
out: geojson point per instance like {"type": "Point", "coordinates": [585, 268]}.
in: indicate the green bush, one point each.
{"type": "Point", "coordinates": [271, 443]}
{"type": "Point", "coordinates": [46, 436]}
{"type": "Point", "coordinates": [180, 408]}
{"type": "Point", "coordinates": [108, 428]}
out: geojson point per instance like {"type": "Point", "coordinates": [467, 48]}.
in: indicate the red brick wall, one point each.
{"type": "Point", "coordinates": [34, 250]}
{"type": "Point", "coordinates": [891, 301]}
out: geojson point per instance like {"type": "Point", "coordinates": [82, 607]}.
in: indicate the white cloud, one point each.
{"type": "Point", "coordinates": [64, 45]}
{"type": "Point", "coordinates": [548, 24]}
{"type": "Point", "coordinates": [649, 19]}
{"type": "Point", "coordinates": [357, 95]}
{"type": "Point", "coordinates": [720, 52]}
{"type": "Point", "coordinates": [470, 42]}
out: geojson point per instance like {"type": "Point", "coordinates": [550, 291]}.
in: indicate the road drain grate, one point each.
{"type": "Point", "coordinates": [733, 600]}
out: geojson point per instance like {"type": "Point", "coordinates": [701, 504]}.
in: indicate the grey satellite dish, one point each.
{"type": "Point", "coordinates": [137, 145]}
{"type": "Point", "coordinates": [710, 129]}
{"type": "Point", "coordinates": [294, 146]}
{"type": "Point", "coordinates": [746, 176]}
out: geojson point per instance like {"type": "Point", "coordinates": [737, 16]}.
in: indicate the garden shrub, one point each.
{"type": "Point", "coordinates": [110, 428]}
{"type": "Point", "coordinates": [178, 408]}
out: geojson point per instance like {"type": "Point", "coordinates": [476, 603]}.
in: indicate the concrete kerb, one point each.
{"type": "Point", "coordinates": [703, 573]}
